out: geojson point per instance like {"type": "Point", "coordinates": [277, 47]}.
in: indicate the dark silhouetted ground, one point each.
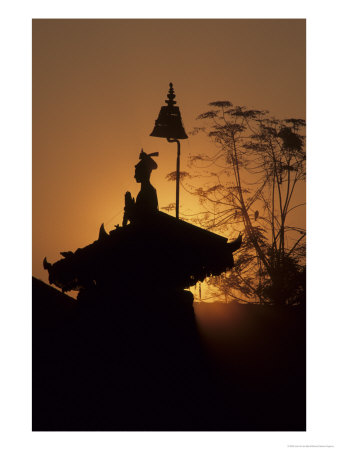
{"type": "Point", "coordinates": [132, 364]}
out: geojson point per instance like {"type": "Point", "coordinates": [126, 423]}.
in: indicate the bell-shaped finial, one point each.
{"type": "Point", "coordinates": [169, 123]}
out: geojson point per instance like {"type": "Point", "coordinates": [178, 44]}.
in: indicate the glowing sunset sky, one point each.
{"type": "Point", "coordinates": [98, 86]}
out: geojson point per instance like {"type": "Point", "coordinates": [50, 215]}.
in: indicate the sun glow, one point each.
{"type": "Point", "coordinates": [95, 103]}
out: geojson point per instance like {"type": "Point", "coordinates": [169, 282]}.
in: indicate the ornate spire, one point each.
{"type": "Point", "coordinates": [171, 95]}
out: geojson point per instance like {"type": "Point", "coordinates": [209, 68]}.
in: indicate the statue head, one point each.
{"type": "Point", "coordinates": [144, 168]}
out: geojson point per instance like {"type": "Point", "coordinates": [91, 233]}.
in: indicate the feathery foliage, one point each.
{"type": "Point", "coordinates": [259, 162]}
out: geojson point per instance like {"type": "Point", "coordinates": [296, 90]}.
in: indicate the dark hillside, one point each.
{"type": "Point", "coordinates": [122, 363]}
{"type": "Point", "coordinates": [259, 355]}
{"type": "Point", "coordinates": [51, 307]}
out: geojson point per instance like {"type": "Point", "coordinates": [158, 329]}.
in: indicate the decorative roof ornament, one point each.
{"type": "Point", "coordinates": [169, 122]}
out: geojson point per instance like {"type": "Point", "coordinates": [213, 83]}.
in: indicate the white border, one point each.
{"type": "Point", "coordinates": [16, 222]}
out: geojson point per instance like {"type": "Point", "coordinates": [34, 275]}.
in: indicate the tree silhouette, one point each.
{"type": "Point", "coordinates": [252, 180]}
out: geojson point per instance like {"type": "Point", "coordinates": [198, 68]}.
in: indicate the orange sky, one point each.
{"type": "Point", "coordinates": [98, 86]}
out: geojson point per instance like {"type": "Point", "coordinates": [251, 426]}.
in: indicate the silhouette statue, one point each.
{"type": "Point", "coordinates": [146, 201]}
{"type": "Point", "coordinates": [152, 250]}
